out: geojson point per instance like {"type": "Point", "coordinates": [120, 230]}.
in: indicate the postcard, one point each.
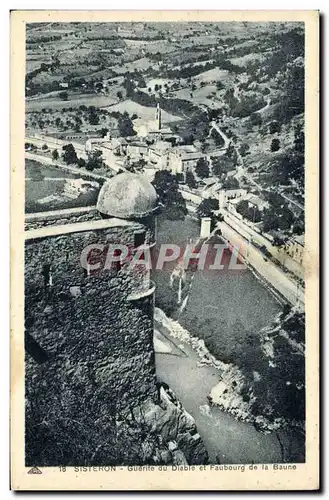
{"type": "Point", "coordinates": [164, 250]}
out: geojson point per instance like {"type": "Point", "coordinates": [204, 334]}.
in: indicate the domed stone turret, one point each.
{"type": "Point", "coordinates": [127, 196]}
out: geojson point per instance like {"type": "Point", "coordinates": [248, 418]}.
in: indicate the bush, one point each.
{"type": "Point", "coordinates": [166, 186]}
{"type": "Point", "coordinates": [275, 145]}
{"type": "Point", "coordinates": [202, 168]}
{"type": "Point", "coordinates": [55, 155]}
{"type": "Point", "coordinates": [244, 149]}
{"type": "Point", "coordinates": [69, 155]}
{"type": "Point", "coordinates": [250, 213]}
{"type": "Point", "coordinates": [190, 180]}
{"type": "Point", "coordinates": [274, 127]}
{"type": "Point", "coordinates": [63, 95]}
{"type": "Point", "coordinates": [81, 162]}
{"type": "Point", "coordinates": [94, 161]}
{"type": "Point", "coordinates": [255, 119]}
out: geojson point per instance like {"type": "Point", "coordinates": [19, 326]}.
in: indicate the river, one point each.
{"type": "Point", "coordinates": [222, 297]}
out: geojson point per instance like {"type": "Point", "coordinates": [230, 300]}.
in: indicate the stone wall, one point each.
{"type": "Point", "coordinates": [89, 349]}
{"type": "Point", "coordinates": [66, 216]}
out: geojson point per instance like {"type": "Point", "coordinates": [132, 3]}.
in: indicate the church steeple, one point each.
{"type": "Point", "coordinates": [158, 116]}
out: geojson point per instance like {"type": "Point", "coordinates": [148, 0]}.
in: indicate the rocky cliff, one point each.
{"type": "Point", "coordinates": [175, 437]}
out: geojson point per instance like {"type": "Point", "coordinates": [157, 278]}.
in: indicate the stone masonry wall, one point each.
{"type": "Point", "coordinates": [89, 349]}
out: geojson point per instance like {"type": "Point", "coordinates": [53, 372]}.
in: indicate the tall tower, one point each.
{"type": "Point", "coordinates": [89, 332]}
{"type": "Point", "coordinates": [158, 116]}
{"type": "Point", "coordinates": [205, 227]}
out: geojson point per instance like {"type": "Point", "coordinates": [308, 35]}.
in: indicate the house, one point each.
{"type": "Point", "coordinates": [253, 202]}
{"type": "Point", "coordinates": [111, 151]}
{"type": "Point", "coordinates": [224, 195]}
{"type": "Point", "coordinates": [184, 158]}
{"type": "Point", "coordinates": [256, 201]}
{"type": "Point", "coordinates": [159, 154]}
{"type": "Point", "coordinates": [137, 150]}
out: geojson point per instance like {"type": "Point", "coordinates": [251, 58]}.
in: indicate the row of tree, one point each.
{"type": "Point", "coordinates": [70, 157]}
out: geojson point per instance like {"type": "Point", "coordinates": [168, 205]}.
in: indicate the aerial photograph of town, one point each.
{"type": "Point", "coordinates": [164, 244]}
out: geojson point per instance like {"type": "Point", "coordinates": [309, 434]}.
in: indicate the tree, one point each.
{"type": "Point", "coordinates": [242, 208]}
{"type": "Point", "coordinates": [299, 139]}
{"type": "Point", "coordinates": [299, 227]}
{"type": "Point", "coordinates": [94, 161]}
{"type": "Point", "coordinates": [190, 180]}
{"type": "Point", "coordinates": [138, 166]}
{"type": "Point", "coordinates": [63, 95]}
{"type": "Point", "coordinates": [248, 103]}
{"type": "Point", "coordinates": [219, 85]}
{"type": "Point", "coordinates": [232, 154]}
{"type": "Point", "coordinates": [274, 127]}
{"type": "Point", "coordinates": [81, 162]}
{"type": "Point", "coordinates": [278, 242]}
{"type": "Point", "coordinates": [280, 389]}
{"type": "Point", "coordinates": [93, 117]}
{"type": "Point", "coordinates": [275, 145]}
{"type": "Point", "coordinates": [202, 168]}
{"type": "Point", "coordinates": [270, 221]}
{"type": "Point", "coordinates": [55, 155]}
{"type": "Point", "coordinates": [69, 155]}
{"type": "Point", "coordinates": [44, 147]}
{"type": "Point", "coordinates": [125, 126]}
{"type": "Point", "coordinates": [207, 208]}
{"type": "Point", "coordinates": [255, 119]}
{"type": "Point", "coordinates": [103, 131]}
{"type": "Point", "coordinates": [172, 201]}
{"type": "Point", "coordinates": [217, 167]}
{"type": "Point", "coordinates": [244, 149]}
{"type": "Point", "coordinates": [119, 95]}
{"type": "Point", "coordinates": [166, 298]}
{"type": "Point", "coordinates": [231, 183]}
{"type": "Point", "coordinates": [250, 213]}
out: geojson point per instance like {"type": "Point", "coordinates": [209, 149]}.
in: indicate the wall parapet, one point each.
{"type": "Point", "coordinates": [79, 227]}
{"type": "Point", "coordinates": [58, 214]}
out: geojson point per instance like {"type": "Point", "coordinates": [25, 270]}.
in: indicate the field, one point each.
{"type": "Point", "coordinates": [211, 75]}
{"type": "Point", "coordinates": [143, 112]}
{"type": "Point", "coordinates": [243, 60]}
{"type": "Point", "coordinates": [74, 100]}
{"type": "Point", "coordinates": [158, 81]}
{"type": "Point", "coordinates": [43, 182]}
{"type": "Point", "coordinates": [141, 64]}
{"type": "Point", "coordinates": [204, 95]}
